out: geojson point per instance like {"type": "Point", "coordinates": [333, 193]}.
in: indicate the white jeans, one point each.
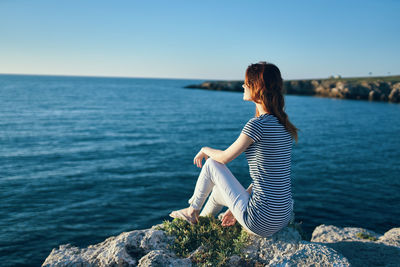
{"type": "Point", "coordinates": [226, 191]}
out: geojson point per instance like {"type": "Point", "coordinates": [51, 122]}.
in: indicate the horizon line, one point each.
{"type": "Point", "coordinates": [162, 78]}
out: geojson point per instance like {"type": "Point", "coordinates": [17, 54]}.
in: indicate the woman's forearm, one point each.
{"type": "Point", "coordinates": [215, 154]}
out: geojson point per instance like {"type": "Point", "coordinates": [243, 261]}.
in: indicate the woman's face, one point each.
{"type": "Point", "coordinates": [246, 93]}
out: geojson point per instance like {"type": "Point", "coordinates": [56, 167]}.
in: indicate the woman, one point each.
{"type": "Point", "coordinates": [266, 207]}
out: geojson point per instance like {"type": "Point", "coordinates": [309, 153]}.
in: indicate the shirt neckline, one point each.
{"type": "Point", "coordinates": [264, 115]}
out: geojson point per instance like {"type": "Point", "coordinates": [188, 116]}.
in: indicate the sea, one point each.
{"type": "Point", "coordinates": [86, 158]}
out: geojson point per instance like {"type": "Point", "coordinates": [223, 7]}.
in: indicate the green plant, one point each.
{"type": "Point", "coordinates": [365, 235]}
{"type": "Point", "coordinates": [219, 242]}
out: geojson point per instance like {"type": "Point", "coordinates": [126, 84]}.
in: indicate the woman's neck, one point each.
{"type": "Point", "coordinates": [261, 110]}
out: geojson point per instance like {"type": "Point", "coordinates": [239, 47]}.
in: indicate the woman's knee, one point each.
{"type": "Point", "coordinates": [211, 162]}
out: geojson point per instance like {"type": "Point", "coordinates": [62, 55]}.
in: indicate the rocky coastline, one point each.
{"type": "Point", "coordinates": [329, 246]}
{"type": "Point", "coordinates": [374, 89]}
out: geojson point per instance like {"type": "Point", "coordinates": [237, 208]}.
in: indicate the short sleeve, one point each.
{"type": "Point", "coordinates": [253, 129]}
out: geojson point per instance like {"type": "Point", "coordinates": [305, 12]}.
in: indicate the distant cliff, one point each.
{"type": "Point", "coordinates": [368, 88]}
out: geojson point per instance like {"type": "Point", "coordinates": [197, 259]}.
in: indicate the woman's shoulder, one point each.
{"type": "Point", "coordinates": [256, 121]}
{"type": "Point", "coordinates": [264, 118]}
{"type": "Point", "coordinates": [264, 121]}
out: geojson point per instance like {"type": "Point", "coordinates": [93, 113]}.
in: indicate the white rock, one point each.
{"type": "Point", "coordinates": [309, 254]}
{"type": "Point", "coordinates": [391, 237]}
{"type": "Point", "coordinates": [385, 251]}
{"type": "Point", "coordinates": [330, 246]}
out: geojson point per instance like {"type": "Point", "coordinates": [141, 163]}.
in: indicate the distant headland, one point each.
{"type": "Point", "coordinates": [385, 88]}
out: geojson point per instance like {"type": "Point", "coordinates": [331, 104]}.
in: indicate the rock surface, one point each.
{"type": "Point", "coordinates": [367, 88]}
{"type": "Point", "coordinates": [330, 246]}
{"type": "Point", "coordinates": [379, 250]}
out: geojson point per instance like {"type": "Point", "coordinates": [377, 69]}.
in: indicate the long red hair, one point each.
{"type": "Point", "coordinates": [266, 88]}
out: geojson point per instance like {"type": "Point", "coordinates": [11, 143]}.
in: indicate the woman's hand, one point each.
{"type": "Point", "coordinates": [198, 159]}
{"type": "Point", "coordinates": [228, 219]}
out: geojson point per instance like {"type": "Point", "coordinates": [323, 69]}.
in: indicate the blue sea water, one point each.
{"type": "Point", "coordinates": [85, 158]}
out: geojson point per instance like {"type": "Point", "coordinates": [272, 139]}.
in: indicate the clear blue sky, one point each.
{"type": "Point", "coordinates": [199, 39]}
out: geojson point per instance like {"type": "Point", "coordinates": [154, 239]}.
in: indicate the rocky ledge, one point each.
{"type": "Point", "coordinates": [329, 246]}
{"type": "Point", "coordinates": [374, 89]}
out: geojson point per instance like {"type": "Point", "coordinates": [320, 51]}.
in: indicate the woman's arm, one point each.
{"type": "Point", "coordinates": [229, 154]}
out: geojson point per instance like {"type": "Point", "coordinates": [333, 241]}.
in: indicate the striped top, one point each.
{"type": "Point", "coordinates": [269, 157]}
